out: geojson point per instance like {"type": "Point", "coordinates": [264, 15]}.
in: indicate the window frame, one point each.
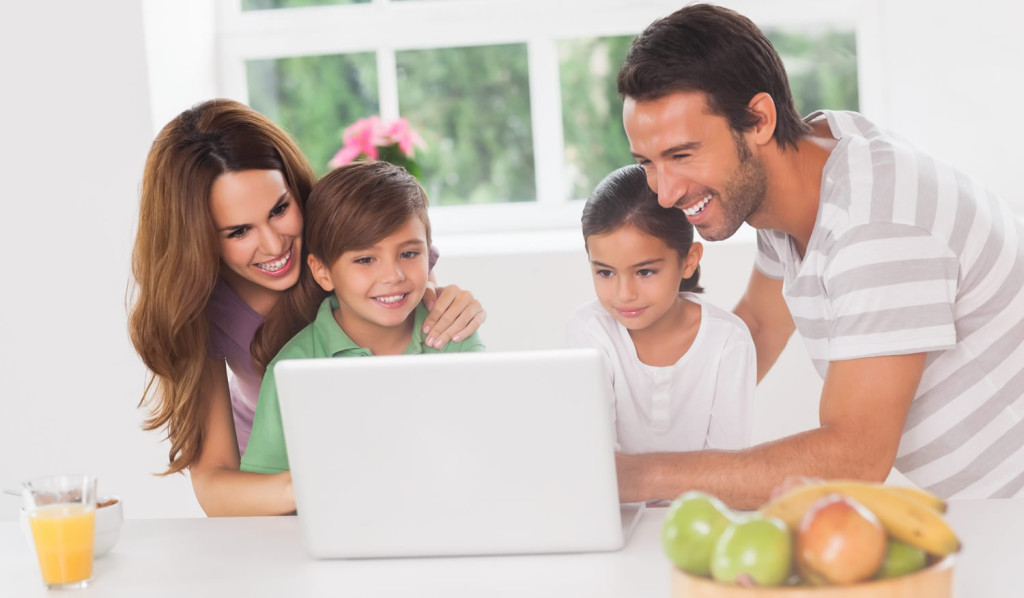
{"type": "Point", "coordinates": [239, 36]}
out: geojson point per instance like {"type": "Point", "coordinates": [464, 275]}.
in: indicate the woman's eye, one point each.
{"type": "Point", "coordinates": [238, 233]}
{"type": "Point", "coordinates": [408, 255]}
{"type": "Point", "coordinates": [279, 209]}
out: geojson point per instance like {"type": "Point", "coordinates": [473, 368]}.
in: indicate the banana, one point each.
{"type": "Point", "coordinates": [905, 516]}
{"type": "Point", "coordinates": [922, 496]}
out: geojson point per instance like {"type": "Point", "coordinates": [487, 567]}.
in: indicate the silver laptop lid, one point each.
{"type": "Point", "coordinates": [451, 454]}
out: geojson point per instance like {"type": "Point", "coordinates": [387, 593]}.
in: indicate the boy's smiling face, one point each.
{"type": "Point", "coordinates": [379, 287]}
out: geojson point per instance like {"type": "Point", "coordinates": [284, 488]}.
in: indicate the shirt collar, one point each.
{"type": "Point", "coordinates": [337, 344]}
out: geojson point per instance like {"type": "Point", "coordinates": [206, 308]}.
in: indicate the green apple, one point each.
{"type": "Point", "coordinates": [753, 550]}
{"type": "Point", "coordinates": [901, 559]}
{"type": "Point", "coordinates": [692, 526]}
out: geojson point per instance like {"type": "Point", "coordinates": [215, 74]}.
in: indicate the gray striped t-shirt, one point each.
{"type": "Point", "coordinates": [909, 255]}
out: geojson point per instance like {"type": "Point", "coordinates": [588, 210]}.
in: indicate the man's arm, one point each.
{"type": "Point", "coordinates": [764, 311]}
{"type": "Point", "coordinates": [863, 408]}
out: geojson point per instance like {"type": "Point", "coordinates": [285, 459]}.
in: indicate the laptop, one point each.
{"type": "Point", "coordinates": [452, 454]}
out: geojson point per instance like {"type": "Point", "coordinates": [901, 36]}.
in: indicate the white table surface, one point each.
{"type": "Point", "coordinates": [263, 556]}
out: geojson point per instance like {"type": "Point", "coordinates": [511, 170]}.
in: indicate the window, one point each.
{"type": "Point", "coordinates": [515, 98]}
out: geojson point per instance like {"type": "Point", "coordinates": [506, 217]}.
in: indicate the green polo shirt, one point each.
{"type": "Point", "coordinates": [322, 338]}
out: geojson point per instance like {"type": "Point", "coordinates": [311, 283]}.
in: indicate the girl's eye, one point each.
{"type": "Point", "coordinates": [408, 255]}
{"type": "Point", "coordinates": [238, 233]}
{"type": "Point", "coordinates": [603, 273]}
{"type": "Point", "coordinates": [279, 209]}
{"type": "Point", "coordinates": [363, 260]}
{"type": "Point", "coordinates": [646, 272]}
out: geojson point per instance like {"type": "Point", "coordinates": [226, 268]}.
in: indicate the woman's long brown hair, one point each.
{"type": "Point", "coordinates": [352, 207]}
{"type": "Point", "coordinates": [176, 258]}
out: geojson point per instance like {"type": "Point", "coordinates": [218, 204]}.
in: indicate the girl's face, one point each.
{"type": "Point", "coordinates": [380, 286]}
{"type": "Point", "coordinates": [637, 276]}
{"type": "Point", "coordinates": [259, 226]}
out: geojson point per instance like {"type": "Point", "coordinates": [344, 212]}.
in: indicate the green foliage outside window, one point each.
{"type": "Point", "coordinates": [314, 98]}
{"type": "Point", "coordinates": [595, 143]}
{"type": "Point", "coordinates": [472, 106]}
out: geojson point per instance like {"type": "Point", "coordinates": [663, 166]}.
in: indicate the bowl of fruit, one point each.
{"type": "Point", "coordinates": [829, 539]}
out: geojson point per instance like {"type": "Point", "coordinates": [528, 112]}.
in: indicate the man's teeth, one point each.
{"type": "Point", "coordinates": [698, 207]}
{"type": "Point", "coordinates": [275, 265]}
{"type": "Point", "coordinates": [391, 298]}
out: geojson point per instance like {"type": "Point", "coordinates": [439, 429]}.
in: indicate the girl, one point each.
{"type": "Point", "coordinates": [681, 370]}
{"type": "Point", "coordinates": [367, 240]}
{"type": "Point", "coordinates": [219, 240]}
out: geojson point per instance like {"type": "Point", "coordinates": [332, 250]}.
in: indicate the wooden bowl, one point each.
{"type": "Point", "coordinates": [934, 581]}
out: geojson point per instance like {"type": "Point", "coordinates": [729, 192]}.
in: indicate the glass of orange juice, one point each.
{"type": "Point", "coordinates": [62, 513]}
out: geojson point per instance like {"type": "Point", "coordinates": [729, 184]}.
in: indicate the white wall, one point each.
{"type": "Point", "coordinates": [77, 127]}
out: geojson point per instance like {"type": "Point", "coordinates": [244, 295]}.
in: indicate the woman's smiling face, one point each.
{"type": "Point", "coordinates": [259, 228]}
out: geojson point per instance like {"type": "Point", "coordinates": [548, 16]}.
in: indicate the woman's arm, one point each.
{"type": "Point", "coordinates": [454, 314]}
{"type": "Point", "coordinates": [223, 490]}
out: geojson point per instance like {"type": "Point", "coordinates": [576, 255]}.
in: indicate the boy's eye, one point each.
{"type": "Point", "coordinates": [363, 260]}
{"type": "Point", "coordinates": [279, 209]}
{"type": "Point", "coordinates": [408, 255]}
{"type": "Point", "coordinates": [238, 233]}
{"type": "Point", "coordinates": [645, 272]}
{"type": "Point", "coordinates": [603, 273]}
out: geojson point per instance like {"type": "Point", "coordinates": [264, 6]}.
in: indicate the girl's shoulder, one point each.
{"type": "Point", "coordinates": [592, 315]}
{"type": "Point", "coordinates": [713, 316]}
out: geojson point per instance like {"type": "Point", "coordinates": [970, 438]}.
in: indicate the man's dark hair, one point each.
{"type": "Point", "coordinates": [716, 51]}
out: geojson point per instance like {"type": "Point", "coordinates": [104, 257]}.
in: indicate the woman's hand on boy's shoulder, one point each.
{"type": "Point", "coordinates": [454, 315]}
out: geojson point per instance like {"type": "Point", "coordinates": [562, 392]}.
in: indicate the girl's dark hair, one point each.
{"type": "Point", "coordinates": [719, 52]}
{"type": "Point", "coordinates": [352, 207]}
{"type": "Point", "coordinates": [624, 198]}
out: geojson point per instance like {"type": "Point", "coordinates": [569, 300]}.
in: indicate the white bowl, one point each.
{"type": "Point", "coordinates": [108, 526]}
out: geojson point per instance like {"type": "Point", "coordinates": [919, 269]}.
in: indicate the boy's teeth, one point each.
{"type": "Point", "coordinates": [699, 207]}
{"type": "Point", "coordinates": [275, 265]}
{"type": "Point", "coordinates": [391, 298]}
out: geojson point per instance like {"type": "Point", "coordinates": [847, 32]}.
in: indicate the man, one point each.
{"type": "Point", "coordinates": [904, 277]}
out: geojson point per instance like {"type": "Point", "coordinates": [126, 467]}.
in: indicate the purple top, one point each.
{"type": "Point", "coordinates": [233, 324]}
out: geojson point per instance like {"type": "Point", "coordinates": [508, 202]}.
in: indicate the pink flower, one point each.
{"type": "Point", "coordinates": [364, 136]}
{"type": "Point", "coordinates": [407, 139]}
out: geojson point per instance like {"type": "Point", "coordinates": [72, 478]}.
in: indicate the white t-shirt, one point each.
{"type": "Point", "coordinates": [703, 401]}
{"type": "Point", "coordinates": [907, 256]}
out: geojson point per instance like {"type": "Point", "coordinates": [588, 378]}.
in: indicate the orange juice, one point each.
{"type": "Point", "coordinates": [64, 535]}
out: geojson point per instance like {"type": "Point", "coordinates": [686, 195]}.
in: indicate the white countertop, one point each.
{"type": "Point", "coordinates": [263, 556]}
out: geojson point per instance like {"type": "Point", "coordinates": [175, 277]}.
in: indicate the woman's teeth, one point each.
{"type": "Point", "coordinates": [391, 298]}
{"type": "Point", "coordinates": [698, 207]}
{"type": "Point", "coordinates": [275, 265]}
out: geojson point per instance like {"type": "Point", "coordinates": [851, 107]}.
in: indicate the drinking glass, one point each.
{"type": "Point", "coordinates": [62, 514]}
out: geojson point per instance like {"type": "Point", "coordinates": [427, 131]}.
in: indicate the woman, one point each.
{"type": "Point", "coordinates": [219, 241]}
